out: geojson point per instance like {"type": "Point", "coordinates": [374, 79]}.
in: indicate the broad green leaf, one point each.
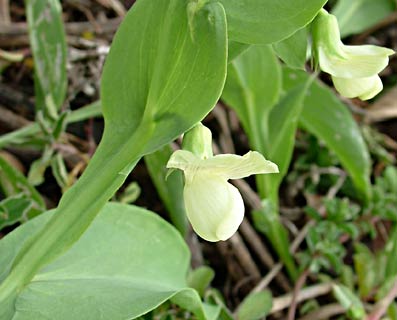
{"type": "Point", "coordinates": [127, 263]}
{"type": "Point", "coordinates": [255, 306]}
{"type": "Point", "coordinates": [12, 242]}
{"type": "Point", "coordinates": [358, 15]}
{"type": "Point", "coordinates": [48, 43]}
{"type": "Point", "coordinates": [164, 73]}
{"type": "Point", "coordinates": [165, 70]}
{"type": "Point", "coordinates": [330, 120]}
{"type": "Point", "coordinates": [252, 89]}
{"type": "Point", "coordinates": [170, 189]}
{"type": "Point", "coordinates": [293, 50]}
{"type": "Point", "coordinates": [262, 22]}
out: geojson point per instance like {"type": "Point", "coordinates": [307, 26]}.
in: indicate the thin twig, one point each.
{"type": "Point", "coordinates": [324, 312]}
{"type": "Point", "coordinates": [274, 272]}
{"type": "Point", "coordinates": [16, 34]}
{"type": "Point", "coordinates": [307, 293]}
{"type": "Point", "coordinates": [234, 270]}
{"type": "Point", "coordinates": [115, 5]}
{"type": "Point", "coordinates": [244, 257]}
{"type": "Point", "coordinates": [225, 139]}
{"type": "Point", "coordinates": [261, 251]}
{"type": "Point", "coordinates": [11, 120]}
{"type": "Point", "coordinates": [298, 286]}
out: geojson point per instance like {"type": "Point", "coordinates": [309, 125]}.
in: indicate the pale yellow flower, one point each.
{"type": "Point", "coordinates": [215, 207]}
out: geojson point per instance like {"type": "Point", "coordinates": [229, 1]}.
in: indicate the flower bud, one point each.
{"type": "Point", "coordinates": [198, 140]}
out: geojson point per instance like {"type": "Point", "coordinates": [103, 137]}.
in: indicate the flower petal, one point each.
{"type": "Point", "coordinates": [230, 166]}
{"type": "Point", "coordinates": [214, 207]}
{"type": "Point", "coordinates": [182, 159]}
{"type": "Point", "coordinates": [363, 88]}
{"type": "Point", "coordinates": [355, 62]}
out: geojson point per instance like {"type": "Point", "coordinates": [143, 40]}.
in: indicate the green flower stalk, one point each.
{"type": "Point", "coordinates": [354, 69]}
{"type": "Point", "coordinates": [215, 207]}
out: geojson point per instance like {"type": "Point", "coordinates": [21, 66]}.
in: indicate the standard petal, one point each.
{"type": "Point", "coordinates": [355, 61]}
{"type": "Point", "coordinates": [363, 88]}
{"type": "Point", "coordinates": [214, 207]}
{"type": "Point", "coordinates": [231, 166]}
{"type": "Point", "coordinates": [182, 159]}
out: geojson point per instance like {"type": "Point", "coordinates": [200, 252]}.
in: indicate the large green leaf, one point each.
{"type": "Point", "coordinates": [330, 120]}
{"type": "Point", "coordinates": [127, 263]}
{"type": "Point", "coordinates": [165, 70]}
{"type": "Point", "coordinates": [358, 15]}
{"type": "Point", "coordinates": [48, 43]}
{"type": "Point", "coordinates": [268, 21]}
{"type": "Point", "coordinates": [164, 73]}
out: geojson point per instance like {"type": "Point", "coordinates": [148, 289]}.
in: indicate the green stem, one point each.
{"type": "Point", "coordinates": [258, 137]}
{"type": "Point", "coordinates": [77, 208]}
{"type": "Point", "coordinates": [89, 111]}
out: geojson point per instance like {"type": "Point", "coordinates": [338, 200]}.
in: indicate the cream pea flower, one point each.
{"type": "Point", "coordinates": [215, 207]}
{"type": "Point", "coordinates": [354, 69]}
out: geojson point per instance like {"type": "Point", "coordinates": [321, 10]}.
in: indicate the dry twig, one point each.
{"type": "Point", "coordinates": [307, 293]}
{"type": "Point", "coordinates": [324, 312]}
